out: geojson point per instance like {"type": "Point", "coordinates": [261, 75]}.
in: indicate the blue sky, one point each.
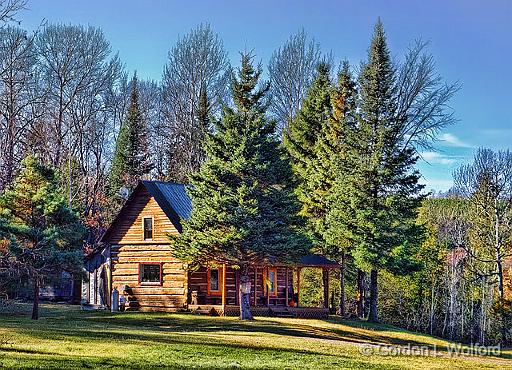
{"type": "Point", "coordinates": [471, 41]}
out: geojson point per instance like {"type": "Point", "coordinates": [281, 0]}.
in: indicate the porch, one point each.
{"type": "Point", "coordinates": [272, 311]}
{"type": "Point", "coordinates": [275, 289]}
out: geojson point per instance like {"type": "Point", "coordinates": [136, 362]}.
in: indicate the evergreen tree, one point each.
{"type": "Point", "coordinates": [203, 111]}
{"type": "Point", "coordinates": [131, 158]}
{"type": "Point", "coordinates": [332, 166]}
{"type": "Point", "coordinates": [381, 191]}
{"type": "Point", "coordinates": [42, 235]}
{"type": "Point", "coordinates": [243, 205]}
{"type": "Point", "coordinates": [203, 126]}
{"type": "Point", "coordinates": [301, 141]}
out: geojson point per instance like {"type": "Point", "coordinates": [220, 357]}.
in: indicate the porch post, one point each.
{"type": "Point", "coordinates": [266, 287]}
{"type": "Point", "coordinates": [325, 273]}
{"type": "Point", "coordinates": [237, 287]}
{"type": "Point", "coordinates": [298, 286]}
{"type": "Point", "coordinates": [255, 284]}
{"type": "Point", "coordinates": [286, 283]}
{"type": "Point", "coordinates": [223, 287]}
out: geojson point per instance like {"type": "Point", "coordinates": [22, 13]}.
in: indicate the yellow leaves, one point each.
{"type": "Point", "coordinates": [4, 244]}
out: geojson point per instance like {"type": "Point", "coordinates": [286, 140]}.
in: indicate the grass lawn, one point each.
{"type": "Point", "coordinates": [66, 337]}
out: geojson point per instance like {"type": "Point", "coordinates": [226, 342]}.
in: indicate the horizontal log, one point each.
{"type": "Point", "coordinates": [135, 266]}
{"type": "Point", "coordinates": [147, 253]}
{"type": "Point", "coordinates": [169, 278]}
{"type": "Point", "coordinates": [158, 298]}
{"type": "Point", "coordinates": [145, 290]}
{"type": "Point", "coordinates": [139, 258]}
{"type": "Point", "coordinates": [157, 309]}
{"type": "Point", "coordinates": [138, 247]}
{"type": "Point", "coordinates": [176, 304]}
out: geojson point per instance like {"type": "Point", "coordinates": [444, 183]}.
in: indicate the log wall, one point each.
{"type": "Point", "coordinates": [170, 295]}
{"type": "Point", "coordinates": [129, 249]}
{"type": "Point", "coordinates": [128, 227]}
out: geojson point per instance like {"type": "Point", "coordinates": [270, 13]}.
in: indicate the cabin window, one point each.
{"type": "Point", "coordinates": [214, 281]}
{"type": "Point", "coordinates": [272, 282]}
{"type": "Point", "coordinates": [148, 228]}
{"type": "Point", "coordinates": [150, 273]}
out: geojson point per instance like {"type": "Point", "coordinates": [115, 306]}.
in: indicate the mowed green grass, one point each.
{"type": "Point", "coordinates": [66, 337]}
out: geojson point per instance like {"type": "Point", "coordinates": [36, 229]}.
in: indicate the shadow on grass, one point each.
{"type": "Point", "coordinates": [299, 328]}
{"type": "Point", "coordinates": [61, 323]}
{"type": "Point", "coordinates": [178, 340]}
{"type": "Point", "coordinates": [94, 362]}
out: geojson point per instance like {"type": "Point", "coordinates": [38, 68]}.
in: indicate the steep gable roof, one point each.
{"type": "Point", "coordinates": [171, 198]}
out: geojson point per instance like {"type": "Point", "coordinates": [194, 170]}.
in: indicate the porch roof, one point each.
{"type": "Point", "coordinates": [309, 260]}
{"type": "Point", "coordinates": [317, 260]}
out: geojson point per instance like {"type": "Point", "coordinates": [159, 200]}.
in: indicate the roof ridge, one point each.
{"type": "Point", "coordinates": [166, 182]}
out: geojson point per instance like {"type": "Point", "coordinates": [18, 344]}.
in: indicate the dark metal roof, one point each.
{"type": "Point", "coordinates": [172, 198]}
{"type": "Point", "coordinates": [317, 260]}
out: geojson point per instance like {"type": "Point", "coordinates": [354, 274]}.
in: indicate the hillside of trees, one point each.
{"type": "Point", "coordinates": [329, 148]}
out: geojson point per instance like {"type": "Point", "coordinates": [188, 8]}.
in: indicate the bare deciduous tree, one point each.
{"type": "Point", "coordinates": [292, 68]}
{"type": "Point", "coordinates": [487, 184]}
{"type": "Point", "coordinates": [422, 98]}
{"type": "Point", "coordinates": [9, 9]}
{"type": "Point", "coordinates": [197, 61]}
{"type": "Point", "coordinates": [76, 64]}
{"type": "Point", "coordinates": [17, 61]}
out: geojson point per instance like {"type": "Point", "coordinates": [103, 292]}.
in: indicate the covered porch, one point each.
{"type": "Point", "coordinates": [275, 289]}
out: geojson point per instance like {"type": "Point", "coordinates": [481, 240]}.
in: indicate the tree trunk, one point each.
{"type": "Point", "coordinates": [342, 311]}
{"type": "Point", "coordinates": [35, 306]}
{"type": "Point", "coordinates": [497, 246]}
{"type": "Point", "coordinates": [245, 294]}
{"type": "Point", "coordinates": [372, 316]}
{"type": "Point", "coordinates": [325, 281]}
{"type": "Point", "coordinates": [360, 294]}
{"type": "Point", "coordinates": [432, 308]}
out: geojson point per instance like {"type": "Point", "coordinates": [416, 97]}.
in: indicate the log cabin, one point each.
{"type": "Point", "coordinates": [137, 261]}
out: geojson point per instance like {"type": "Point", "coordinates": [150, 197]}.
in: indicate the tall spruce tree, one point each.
{"type": "Point", "coordinates": [332, 167]}
{"type": "Point", "coordinates": [204, 125]}
{"type": "Point", "coordinates": [131, 160]}
{"type": "Point", "coordinates": [302, 143]}
{"type": "Point", "coordinates": [381, 191]}
{"type": "Point", "coordinates": [244, 210]}
{"type": "Point", "coordinates": [42, 235]}
{"type": "Point", "coordinates": [301, 140]}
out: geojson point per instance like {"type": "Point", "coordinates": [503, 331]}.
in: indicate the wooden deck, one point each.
{"type": "Point", "coordinates": [230, 310]}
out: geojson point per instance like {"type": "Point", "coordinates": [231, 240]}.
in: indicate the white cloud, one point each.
{"type": "Point", "coordinates": [453, 140]}
{"type": "Point", "coordinates": [437, 158]}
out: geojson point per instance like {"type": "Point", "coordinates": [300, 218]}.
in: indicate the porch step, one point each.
{"type": "Point", "coordinates": [203, 311]}
{"type": "Point", "coordinates": [281, 312]}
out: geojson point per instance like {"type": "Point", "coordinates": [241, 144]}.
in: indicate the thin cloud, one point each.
{"type": "Point", "coordinates": [453, 140]}
{"type": "Point", "coordinates": [438, 158]}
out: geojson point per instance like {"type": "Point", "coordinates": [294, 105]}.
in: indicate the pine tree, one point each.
{"type": "Point", "coordinates": [131, 158]}
{"type": "Point", "coordinates": [332, 167]}
{"type": "Point", "coordinates": [381, 191]}
{"type": "Point", "coordinates": [243, 204]}
{"type": "Point", "coordinates": [301, 143]}
{"type": "Point", "coordinates": [203, 127]}
{"type": "Point", "coordinates": [43, 236]}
